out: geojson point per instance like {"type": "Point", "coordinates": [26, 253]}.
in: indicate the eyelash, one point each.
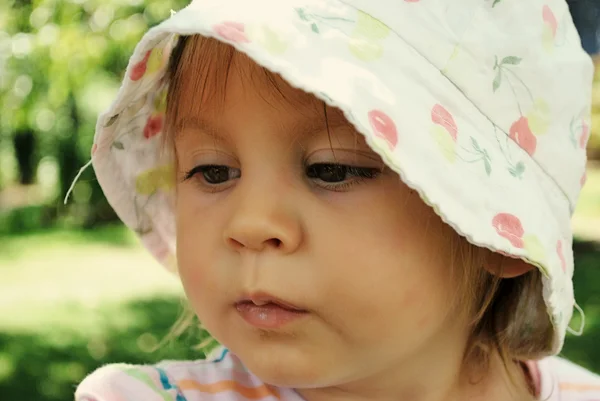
{"type": "Point", "coordinates": [357, 175]}
{"type": "Point", "coordinates": [203, 169]}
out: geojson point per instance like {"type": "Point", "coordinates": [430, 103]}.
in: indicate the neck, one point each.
{"type": "Point", "coordinates": [439, 375]}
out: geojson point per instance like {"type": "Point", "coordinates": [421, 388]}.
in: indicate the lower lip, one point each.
{"type": "Point", "coordinates": [269, 316]}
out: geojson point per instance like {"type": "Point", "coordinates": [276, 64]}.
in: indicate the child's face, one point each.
{"type": "Point", "coordinates": [355, 248]}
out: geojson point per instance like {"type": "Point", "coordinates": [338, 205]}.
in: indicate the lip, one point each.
{"type": "Point", "coordinates": [265, 311]}
{"type": "Point", "coordinates": [262, 298]}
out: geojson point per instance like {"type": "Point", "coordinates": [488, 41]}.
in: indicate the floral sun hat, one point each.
{"type": "Point", "coordinates": [482, 106]}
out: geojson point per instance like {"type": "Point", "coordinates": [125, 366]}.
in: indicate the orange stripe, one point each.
{"type": "Point", "coordinates": [252, 393]}
{"type": "Point", "coordinates": [579, 387]}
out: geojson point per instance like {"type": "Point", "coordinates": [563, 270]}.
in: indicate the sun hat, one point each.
{"type": "Point", "coordinates": [482, 106]}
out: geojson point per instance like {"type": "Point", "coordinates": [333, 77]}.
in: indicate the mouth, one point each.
{"type": "Point", "coordinates": [267, 300]}
{"type": "Point", "coordinates": [268, 312]}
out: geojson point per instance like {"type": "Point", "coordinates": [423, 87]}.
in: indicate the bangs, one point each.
{"type": "Point", "coordinates": [198, 71]}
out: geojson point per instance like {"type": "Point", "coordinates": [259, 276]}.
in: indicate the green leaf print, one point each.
{"type": "Point", "coordinates": [301, 14]}
{"type": "Point", "coordinates": [305, 17]}
{"type": "Point", "coordinates": [497, 80]}
{"type": "Point", "coordinates": [572, 129]}
{"type": "Point", "coordinates": [520, 168]}
{"type": "Point", "coordinates": [513, 60]}
{"type": "Point", "coordinates": [118, 145]}
{"type": "Point", "coordinates": [488, 166]}
{"type": "Point", "coordinates": [483, 156]}
{"type": "Point", "coordinates": [111, 121]}
{"type": "Point", "coordinates": [558, 319]}
{"type": "Point", "coordinates": [326, 96]}
{"type": "Point", "coordinates": [507, 65]}
{"type": "Point", "coordinates": [517, 170]}
{"type": "Point", "coordinates": [495, 2]}
{"type": "Point", "coordinates": [143, 231]}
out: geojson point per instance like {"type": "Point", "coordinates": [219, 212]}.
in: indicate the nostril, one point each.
{"type": "Point", "coordinates": [235, 243]}
{"type": "Point", "coordinates": [274, 242]}
{"type": "Point", "coordinates": [256, 245]}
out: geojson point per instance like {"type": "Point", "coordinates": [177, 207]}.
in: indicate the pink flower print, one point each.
{"type": "Point", "coordinates": [153, 126]}
{"type": "Point", "coordinates": [561, 256]}
{"type": "Point", "coordinates": [441, 116]}
{"type": "Point", "coordinates": [94, 148]}
{"type": "Point", "coordinates": [509, 227]}
{"type": "Point", "coordinates": [583, 179]}
{"type": "Point", "coordinates": [232, 31]}
{"type": "Point", "coordinates": [522, 135]}
{"type": "Point", "coordinates": [411, 1]}
{"type": "Point", "coordinates": [550, 20]}
{"type": "Point", "coordinates": [384, 127]}
{"type": "Point", "coordinates": [138, 70]}
{"type": "Point", "coordinates": [585, 134]}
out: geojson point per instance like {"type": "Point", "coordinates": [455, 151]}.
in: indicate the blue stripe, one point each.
{"type": "Point", "coordinates": [225, 351]}
{"type": "Point", "coordinates": [164, 380]}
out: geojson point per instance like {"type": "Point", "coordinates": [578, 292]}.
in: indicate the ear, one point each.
{"type": "Point", "coordinates": [506, 266]}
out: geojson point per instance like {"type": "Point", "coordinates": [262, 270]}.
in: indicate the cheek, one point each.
{"type": "Point", "coordinates": [198, 223]}
{"type": "Point", "coordinates": [389, 264]}
{"type": "Point", "coordinates": [197, 244]}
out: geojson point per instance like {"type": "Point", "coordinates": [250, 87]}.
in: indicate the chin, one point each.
{"type": "Point", "coordinates": [290, 368]}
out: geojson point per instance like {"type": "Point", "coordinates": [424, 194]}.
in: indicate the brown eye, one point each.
{"type": "Point", "coordinates": [214, 174]}
{"type": "Point", "coordinates": [327, 172]}
{"type": "Point", "coordinates": [334, 173]}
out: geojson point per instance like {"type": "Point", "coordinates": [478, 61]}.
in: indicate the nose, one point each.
{"type": "Point", "coordinates": [265, 218]}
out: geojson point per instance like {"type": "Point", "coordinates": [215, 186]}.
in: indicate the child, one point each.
{"type": "Point", "coordinates": [364, 200]}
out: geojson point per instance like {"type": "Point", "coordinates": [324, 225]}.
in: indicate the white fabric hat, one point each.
{"type": "Point", "coordinates": [482, 106]}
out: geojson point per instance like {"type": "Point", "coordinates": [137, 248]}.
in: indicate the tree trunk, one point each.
{"type": "Point", "coordinates": [24, 143]}
{"type": "Point", "coordinates": [67, 156]}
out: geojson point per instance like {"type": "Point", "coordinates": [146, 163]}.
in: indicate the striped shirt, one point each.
{"type": "Point", "coordinates": [226, 378]}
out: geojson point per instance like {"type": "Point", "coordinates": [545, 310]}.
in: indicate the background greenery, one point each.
{"type": "Point", "coordinates": [62, 313]}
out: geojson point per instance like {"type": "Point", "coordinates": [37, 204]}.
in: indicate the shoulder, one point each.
{"type": "Point", "coordinates": [566, 381]}
{"type": "Point", "coordinates": [173, 380]}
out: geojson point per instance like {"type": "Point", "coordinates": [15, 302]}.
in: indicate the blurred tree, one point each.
{"type": "Point", "coordinates": [25, 146]}
{"type": "Point", "coordinates": [61, 67]}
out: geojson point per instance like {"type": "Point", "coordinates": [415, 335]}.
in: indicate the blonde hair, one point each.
{"type": "Point", "coordinates": [508, 316]}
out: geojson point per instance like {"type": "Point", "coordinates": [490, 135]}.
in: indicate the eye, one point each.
{"type": "Point", "coordinates": [213, 174]}
{"type": "Point", "coordinates": [331, 173]}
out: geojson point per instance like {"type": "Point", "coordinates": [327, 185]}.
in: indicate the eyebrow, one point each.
{"type": "Point", "coordinates": [306, 127]}
{"type": "Point", "coordinates": [201, 125]}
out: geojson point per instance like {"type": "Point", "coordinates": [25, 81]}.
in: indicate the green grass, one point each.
{"type": "Point", "coordinates": [584, 350]}
{"type": "Point", "coordinates": [586, 221]}
{"type": "Point", "coordinates": [46, 364]}
{"type": "Point", "coordinates": [72, 301]}
{"type": "Point", "coordinates": [74, 271]}
{"type": "Point", "coordinates": [595, 134]}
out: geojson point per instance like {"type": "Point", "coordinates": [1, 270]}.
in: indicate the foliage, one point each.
{"type": "Point", "coordinates": [61, 63]}
{"type": "Point", "coordinates": [48, 364]}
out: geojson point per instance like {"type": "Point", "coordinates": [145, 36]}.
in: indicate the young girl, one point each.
{"type": "Point", "coordinates": [364, 200]}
